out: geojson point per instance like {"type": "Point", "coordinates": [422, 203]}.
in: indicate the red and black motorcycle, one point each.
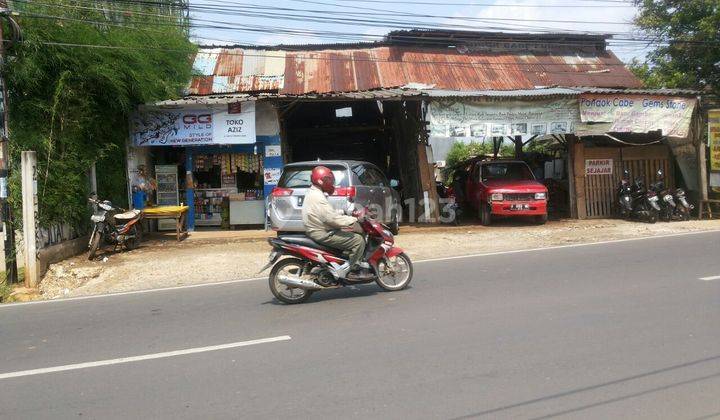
{"type": "Point", "coordinates": [309, 266]}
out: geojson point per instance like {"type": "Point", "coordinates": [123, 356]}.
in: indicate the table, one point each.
{"type": "Point", "coordinates": [179, 213]}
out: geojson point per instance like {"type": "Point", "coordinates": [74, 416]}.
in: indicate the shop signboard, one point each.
{"type": "Point", "coordinates": [714, 139]}
{"type": "Point", "coordinates": [187, 126]}
{"type": "Point", "coordinates": [480, 120]}
{"type": "Point", "coordinates": [638, 113]}
{"type": "Point", "coordinates": [598, 167]}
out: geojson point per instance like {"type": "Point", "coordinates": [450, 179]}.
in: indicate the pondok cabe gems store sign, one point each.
{"type": "Point", "coordinates": [189, 126]}
{"type": "Point", "coordinates": [638, 113]}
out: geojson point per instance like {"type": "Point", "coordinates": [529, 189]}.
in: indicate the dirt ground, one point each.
{"type": "Point", "coordinates": [228, 255]}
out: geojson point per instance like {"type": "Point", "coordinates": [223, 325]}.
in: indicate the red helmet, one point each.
{"type": "Point", "coordinates": [323, 178]}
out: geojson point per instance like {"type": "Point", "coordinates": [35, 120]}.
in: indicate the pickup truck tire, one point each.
{"type": "Point", "coordinates": [485, 215]}
{"type": "Point", "coordinates": [541, 220]}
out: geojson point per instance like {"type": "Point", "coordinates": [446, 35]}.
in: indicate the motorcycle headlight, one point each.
{"type": "Point", "coordinates": [97, 218]}
{"type": "Point", "coordinates": [540, 196]}
{"type": "Point", "coordinates": [668, 198]}
{"type": "Point", "coordinates": [653, 198]}
{"type": "Point", "coordinates": [496, 197]}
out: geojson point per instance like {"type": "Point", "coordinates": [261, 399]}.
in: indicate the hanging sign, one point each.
{"type": "Point", "coordinates": [479, 120]}
{"type": "Point", "coordinates": [598, 167]}
{"type": "Point", "coordinates": [638, 113]}
{"type": "Point", "coordinates": [186, 126]}
{"type": "Point", "coordinates": [714, 139]}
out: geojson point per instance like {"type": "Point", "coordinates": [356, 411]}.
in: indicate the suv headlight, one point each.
{"type": "Point", "coordinates": [496, 197]}
{"type": "Point", "coordinates": [540, 196]}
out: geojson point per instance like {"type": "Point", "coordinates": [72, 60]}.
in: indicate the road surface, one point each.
{"type": "Point", "coordinates": [618, 330]}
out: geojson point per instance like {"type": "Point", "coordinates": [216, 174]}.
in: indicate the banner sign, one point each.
{"type": "Point", "coordinates": [598, 167]}
{"type": "Point", "coordinates": [187, 126]}
{"type": "Point", "coordinates": [714, 139]}
{"type": "Point", "coordinates": [638, 113]}
{"type": "Point", "coordinates": [480, 120]}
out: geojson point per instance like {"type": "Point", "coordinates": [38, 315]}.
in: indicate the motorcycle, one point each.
{"type": "Point", "coordinates": [637, 202]}
{"type": "Point", "coordinates": [451, 210]}
{"type": "Point", "coordinates": [668, 207]}
{"type": "Point", "coordinates": [308, 267]}
{"type": "Point", "coordinates": [685, 207]}
{"type": "Point", "coordinates": [113, 226]}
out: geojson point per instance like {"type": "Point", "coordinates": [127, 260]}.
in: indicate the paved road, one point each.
{"type": "Point", "coordinates": [622, 330]}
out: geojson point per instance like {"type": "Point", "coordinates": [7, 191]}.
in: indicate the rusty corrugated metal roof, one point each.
{"type": "Point", "coordinates": [243, 70]}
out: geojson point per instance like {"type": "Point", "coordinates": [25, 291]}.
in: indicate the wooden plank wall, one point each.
{"type": "Point", "coordinates": [596, 193]}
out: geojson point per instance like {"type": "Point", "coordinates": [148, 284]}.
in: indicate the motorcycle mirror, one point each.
{"type": "Point", "coordinates": [660, 173]}
{"type": "Point", "coordinates": [626, 173]}
{"type": "Point", "coordinates": [394, 183]}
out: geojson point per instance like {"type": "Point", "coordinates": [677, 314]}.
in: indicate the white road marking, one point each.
{"type": "Point", "coordinates": [711, 278]}
{"type": "Point", "coordinates": [141, 358]}
{"type": "Point", "coordinates": [190, 286]}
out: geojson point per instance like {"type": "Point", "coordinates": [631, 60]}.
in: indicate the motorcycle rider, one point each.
{"type": "Point", "coordinates": [324, 225]}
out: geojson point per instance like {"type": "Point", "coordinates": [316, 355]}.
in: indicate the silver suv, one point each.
{"type": "Point", "coordinates": [361, 183]}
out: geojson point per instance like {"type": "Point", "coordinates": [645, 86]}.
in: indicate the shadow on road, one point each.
{"type": "Point", "coordinates": [602, 385]}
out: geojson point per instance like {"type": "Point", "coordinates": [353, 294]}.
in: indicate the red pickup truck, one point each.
{"type": "Point", "coordinates": [505, 188]}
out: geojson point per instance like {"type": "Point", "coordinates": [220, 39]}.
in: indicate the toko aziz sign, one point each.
{"type": "Point", "coordinates": [187, 126]}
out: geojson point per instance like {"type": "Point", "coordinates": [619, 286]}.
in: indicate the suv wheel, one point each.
{"type": "Point", "coordinates": [485, 214]}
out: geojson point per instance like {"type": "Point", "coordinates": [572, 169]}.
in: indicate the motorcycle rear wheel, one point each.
{"type": "Point", "coordinates": [397, 276]}
{"type": "Point", "coordinates": [134, 242]}
{"type": "Point", "coordinates": [283, 293]}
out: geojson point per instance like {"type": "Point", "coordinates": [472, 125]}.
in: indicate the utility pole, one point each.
{"type": "Point", "coordinates": [6, 219]}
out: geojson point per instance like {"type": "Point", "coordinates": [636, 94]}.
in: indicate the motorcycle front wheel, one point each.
{"type": "Point", "coordinates": [284, 293]}
{"type": "Point", "coordinates": [395, 273]}
{"type": "Point", "coordinates": [94, 245]}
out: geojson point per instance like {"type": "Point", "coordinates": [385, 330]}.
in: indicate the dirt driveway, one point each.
{"type": "Point", "coordinates": [220, 256]}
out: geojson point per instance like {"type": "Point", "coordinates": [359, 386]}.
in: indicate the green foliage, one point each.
{"type": "Point", "coordinates": [71, 104]}
{"type": "Point", "coordinates": [464, 151]}
{"type": "Point", "coordinates": [688, 39]}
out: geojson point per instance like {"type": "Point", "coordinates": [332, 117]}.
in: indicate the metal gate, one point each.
{"type": "Point", "coordinates": [600, 190]}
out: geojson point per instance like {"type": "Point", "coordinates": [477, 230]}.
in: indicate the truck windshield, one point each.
{"type": "Point", "coordinates": [516, 171]}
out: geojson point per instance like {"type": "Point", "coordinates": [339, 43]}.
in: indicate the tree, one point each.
{"type": "Point", "coordinates": [73, 82]}
{"type": "Point", "coordinates": [687, 36]}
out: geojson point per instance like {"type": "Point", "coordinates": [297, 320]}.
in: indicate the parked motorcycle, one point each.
{"type": "Point", "coordinates": [309, 266]}
{"type": "Point", "coordinates": [450, 211]}
{"type": "Point", "coordinates": [666, 200]}
{"type": "Point", "coordinates": [637, 202]}
{"type": "Point", "coordinates": [113, 226]}
{"type": "Point", "coordinates": [685, 207]}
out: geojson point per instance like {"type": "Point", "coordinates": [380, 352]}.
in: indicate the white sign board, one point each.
{"type": "Point", "coordinates": [186, 126]}
{"type": "Point", "coordinates": [272, 150]}
{"type": "Point", "coordinates": [639, 113]}
{"type": "Point", "coordinates": [480, 120]}
{"type": "Point", "coordinates": [598, 167]}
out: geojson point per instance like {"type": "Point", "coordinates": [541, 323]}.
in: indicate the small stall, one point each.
{"type": "Point", "coordinates": [209, 158]}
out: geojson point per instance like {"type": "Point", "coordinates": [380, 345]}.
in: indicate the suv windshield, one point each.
{"type": "Point", "coordinates": [515, 171]}
{"type": "Point", "coordinates": [299, 176]}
